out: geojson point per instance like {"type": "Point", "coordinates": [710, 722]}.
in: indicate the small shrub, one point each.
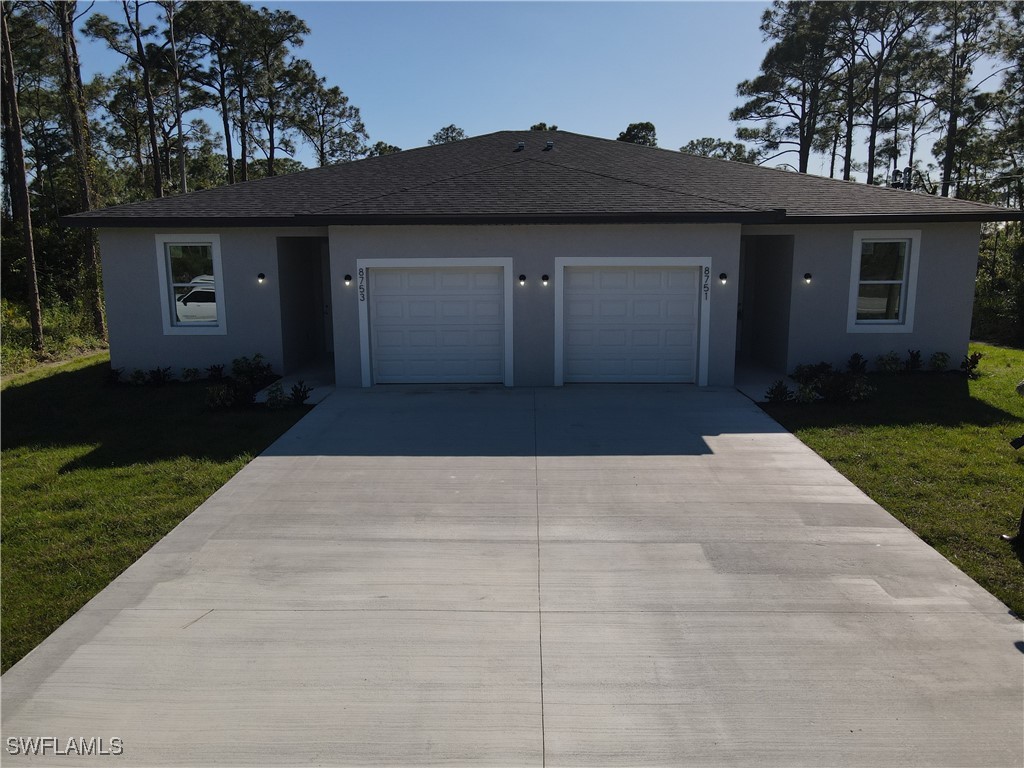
{"type": "Point", "coordinates": [275, 396]}
{"type": "Point", "coordinates": [252, 369]}
{"type": "Point", "coordinates": [114, 376]}
{"type": "Point", "coordinates": [805, 394]}
{"type": "Point", "coordinates": [215, 372]}
{"type": "Point", "coordinates": [939, 362]}
{"type": "Point", "coordinates": [835, 387]}
{"type": "Point", "coordinates": [190, 374]}
{"type": "Point", "coordinates": [159, 376]}
{"type": "Point", "coordinates": [857, 365]}
{"type": "Point", "coordinates": [220, 397]}
{"type": "Point", "coordinates": [888, 363]}
{"type": "Point", "coordinates": [970, 365]}
{"type": "Point", "coordinates": [809, 374]}
{"type": "Point", "coordinates": [248, 376]}
{"type": "Point", "coordinates": [860, 390]}
{"type": "Point", "coordinates": [778, 393]}
{"type": "Point", "coordinates": [822, 381]}
{"type": "Point", "coordinates": [300, 392]}
{"type": "Point", "coordinates": [138, 377]}
{"type": "Point", "coordinates": [913, 362]}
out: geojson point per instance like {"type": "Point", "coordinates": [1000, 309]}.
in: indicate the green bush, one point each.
{"type": "Point", "coordinates": [888, 363]}
{"type": "Point", "coordinates": [822, 381]}
{"type": "Point", "coordinates": [778, 393]}
{"type": "Point", "coordinates": [970, 365]}
{"type": "Point", "coordinates": [939, 362]}
{"type": "Point", "coordinates": [300, 392]}
{"type": "Point", "coordinates": [275, 396]}
{"type": "Point", "coordinates": [248, 376]}
{"type": "Point", "coordinates": [220, 397]}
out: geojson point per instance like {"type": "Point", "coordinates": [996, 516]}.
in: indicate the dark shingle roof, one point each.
{"type": "Point", "coordinates": [486, 179]}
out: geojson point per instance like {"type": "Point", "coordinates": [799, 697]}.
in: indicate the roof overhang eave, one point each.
{"type": "Point", "coordinates": [905, 218]}
{"type": "Point", "coordinates": [99, 221]}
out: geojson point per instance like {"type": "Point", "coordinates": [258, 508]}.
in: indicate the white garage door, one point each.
{"type": "Point", "coordinates": [631, 324]}
{"type": "Point", "coordinates": [437, 325]}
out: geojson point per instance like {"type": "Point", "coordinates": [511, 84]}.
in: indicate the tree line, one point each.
{"type": "Point", "coordinates": [933, 87]}
{"type": "Point", "coordinates": [137, 133]}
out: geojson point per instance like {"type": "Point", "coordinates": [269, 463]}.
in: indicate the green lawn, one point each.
{"type": "Point", "coordinates": [933, 449]}
{"type": "Point", "coordinates": [94, 475]}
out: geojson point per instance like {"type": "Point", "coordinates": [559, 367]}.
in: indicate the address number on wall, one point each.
{"type": "Point", "coordinates": [362, 284]}
{"type": "Point", "coordinates": [707, 283]}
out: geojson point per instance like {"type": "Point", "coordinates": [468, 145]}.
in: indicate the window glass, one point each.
{"type": "Point", "coordinates": [879, 301]}
{"type": "Point", "coordinates": [883, 266]}
{"type": "Point", "coordinates": [190, 266]}
{"type": "Point", "coordinates": [883, 261]}
{"type": "Point", "coordinates": [189, 262]}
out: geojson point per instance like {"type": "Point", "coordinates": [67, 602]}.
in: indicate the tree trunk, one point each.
{"type": "Point", "coordinates": [74, 95]}
{"type": "Point", "coordinates": [243, 132]}
{"type": "Point", "coordinates": [147, 89]}
{"type": "Point", "coordinates": [182, 179]}
{"type": "Point", "coordinates": [954, 108]}
{"type": "Point", "coordinates": [848, 137]}
{"type": "Point", "coordinates": [225, 114]}
{"type": "Point", "coordinates": [270, 140]}
{"type": "Point", "coordinates": [20, 203]}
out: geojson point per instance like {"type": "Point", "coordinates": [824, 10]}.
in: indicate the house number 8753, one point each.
{"type": "Point", "coordinates": [362, 284]}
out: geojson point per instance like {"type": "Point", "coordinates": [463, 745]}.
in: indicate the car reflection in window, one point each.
{"type": "Point", "coordinates": [198, 304]}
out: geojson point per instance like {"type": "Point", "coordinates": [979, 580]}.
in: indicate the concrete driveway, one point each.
{"type": "Point", "coordinates": [588, 576]}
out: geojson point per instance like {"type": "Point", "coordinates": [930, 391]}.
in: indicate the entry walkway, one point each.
{"type": "Point", "coordinates": [589, 576]}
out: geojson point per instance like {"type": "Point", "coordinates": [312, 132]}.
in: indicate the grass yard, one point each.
{"type": "Point", "coordinates": [94, 475]}
{"type": "Point", "coordinates": [933, 449]}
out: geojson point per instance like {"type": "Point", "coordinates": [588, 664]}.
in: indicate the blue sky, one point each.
{"type": "Point", "coordinates": [589, 67]}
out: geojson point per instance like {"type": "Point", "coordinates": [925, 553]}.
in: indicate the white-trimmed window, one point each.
{"type": "Point", "coordinates": [191, 285]}
{"type": "Point", "coordinates": [883, 281]}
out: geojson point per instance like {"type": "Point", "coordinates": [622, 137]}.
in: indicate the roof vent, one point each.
{"type": "Point", "coordinates": [549, 146]}
{"type": "Point", "coordinates": [520, 146]}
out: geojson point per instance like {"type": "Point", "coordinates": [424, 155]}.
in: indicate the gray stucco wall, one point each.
{"type": "Point", "coordinates": [817, 328]}
{"type": "Point", "coordinates": [818, 312]}
{"type": "Point", "coordinates": [533, 249]}
{"type": "Point", "coordinates": [132, 290]}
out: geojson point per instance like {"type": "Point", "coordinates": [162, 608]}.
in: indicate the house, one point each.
{"type": "Point", "coordinates": [535, 259]}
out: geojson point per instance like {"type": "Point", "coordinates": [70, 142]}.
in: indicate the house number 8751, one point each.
{"type": "Point", "coordinates": [707, 282]}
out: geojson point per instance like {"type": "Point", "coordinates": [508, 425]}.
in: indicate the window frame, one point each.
{"type": "Point", "coordinates": [171, 328]}
{"type": "Point", "coordinates": [908, 295]}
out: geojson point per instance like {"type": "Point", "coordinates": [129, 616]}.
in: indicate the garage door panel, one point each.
{"type": "Point", "coordinates": [611, 337]}
{"type": "Point", "coordinates": [488, 281]}
{"type": "Point", "coordinates": [630, 323]}
{"type": "Point", "coordinates": [437, 325]}
{"type": "Point", "coordinates": [646, 338]}
{"type": "Point", "coordinates": [579, 308]}
{"type": "Point", "coordinates": [612, 309]}
{"type": "Point", "coordinates": [459, 310]}
{"type": "Point", "coordinates": [649, 280]}
{"type": "Point", "coordinates": [615, 281]}
{"type": "Point", "coordinates": [683, 278]}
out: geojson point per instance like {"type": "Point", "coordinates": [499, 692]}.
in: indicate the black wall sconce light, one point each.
{"type": "Point", "coordinates": [348, 279]}
{"type": "Point", "coordinates": [260, 278]}
{"type": "Point", "coordinates": [544, 279]}
{"type": "Point", "coordinates": [807, 277]}
{"type": "Point", "coordinates": [522, 279]}
{"type": "Point", "coordinates": [724, 278]}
